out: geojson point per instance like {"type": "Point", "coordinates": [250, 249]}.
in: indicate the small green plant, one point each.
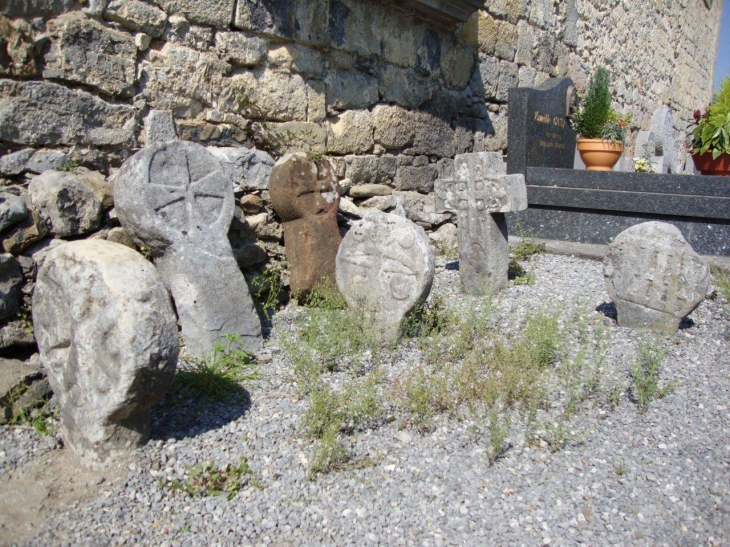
{"type": "Point", "coordinates": [36, 413]}
{"type": "Point", "coordinates": [318, 155]}
{"type": "Point", "coordinates": [70, 167]}
{"type": "Point", "coordinates": [498, 433]}
{"type": "Point", "coordinates": [210, 479]}
{"type": "Point", "coordinates": [426, 319]}
{"type": "Point", "coordinates": [449, 252]}
{"type": "Point", "coordinates": [25, 317]}
{"type": "Point", "coordinates": [722, 282]}
{"type": "Point", "coordinates": [621, 468]}
{"type": "Point", "coordinates": [330, 453]}
{"type": "Point", "coordinates": [712, 132]}
{"type": "Point", "coordinates": [219, 376]}
{"type": "Point", "coordinates": [324, 295]}
{"type": "Point", "coordinates": [646, 371]}
{"type": "Point", "coordinates": [333, 413]}
{"type": "Point", "coordinates": [518, 274]}
{"type": "Point", "coordinates": [527, 246]}
{"type": "Point", "coordinates": [248, 106]}
{"type": "Point", "coordinates": [267, 290]}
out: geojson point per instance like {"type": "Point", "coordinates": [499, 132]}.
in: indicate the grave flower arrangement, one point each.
{"type": "Point", "coordinates": [711, 136]}
{"type": "Point", "coordinates": [602, 131]}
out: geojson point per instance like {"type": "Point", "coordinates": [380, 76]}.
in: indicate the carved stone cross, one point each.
{"type": "Point", "coordinates": [480, 194]}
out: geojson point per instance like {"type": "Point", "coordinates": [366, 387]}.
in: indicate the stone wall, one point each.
{"type": "Point", "coordinates": [390, 97]}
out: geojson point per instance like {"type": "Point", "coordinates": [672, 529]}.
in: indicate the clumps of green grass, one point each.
{"type": "Point", "coordinates": [646, 373]}
{"type": "Point", "coordinates": [468, 368]}
{"type": "Point", "coordinates": [219, 376]}
{"type": "Point", "coordinates": [211, 479]}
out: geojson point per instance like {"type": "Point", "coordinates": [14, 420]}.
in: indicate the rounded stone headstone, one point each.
{"type": "Point", "coordinates": [177, 199]}
{"type": "Point", "coordinates": [654, 277]}
{"type": "Point", "coordinates": [385, 267]}
{"type": "Point", "coordinates": [107, 336]}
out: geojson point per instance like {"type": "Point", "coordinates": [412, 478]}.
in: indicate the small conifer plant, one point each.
{"type": "Point", "coordinates": [595, 118]}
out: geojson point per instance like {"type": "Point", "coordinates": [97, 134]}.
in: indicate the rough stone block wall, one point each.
{"type": "Point", "coordinates": [389, 97]}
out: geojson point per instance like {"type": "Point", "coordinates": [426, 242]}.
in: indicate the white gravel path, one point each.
{"type": "Point", "coordinates": [624, 477]}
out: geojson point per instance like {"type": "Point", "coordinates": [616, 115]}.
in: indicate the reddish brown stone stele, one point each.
{"type": "Point", "coordinates": [306, 196]}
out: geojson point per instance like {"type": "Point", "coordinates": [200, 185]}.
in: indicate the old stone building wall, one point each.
{"type": "Point", "coordinates": [388, 91]}
{"type": "Point", "coordinates": [342, 77]}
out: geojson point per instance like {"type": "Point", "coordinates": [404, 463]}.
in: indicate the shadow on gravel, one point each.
{"type": "Point", "coordinates": [686, 323]}
{"type": "Point", "coordinates": [183, 414]}
{"type": "Point", "coordinates": [609, 310]}
{"type": "Point", "coordinates": [453, 265]}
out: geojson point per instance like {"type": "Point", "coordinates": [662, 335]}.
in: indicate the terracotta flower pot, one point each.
{"type": "Point", "coordinates": [707, 166]}
{"type": "Point", "coordinates": [599, 155]}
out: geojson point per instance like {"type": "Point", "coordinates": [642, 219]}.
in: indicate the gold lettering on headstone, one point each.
{"type": "Point", "coordinates": [542, 118]}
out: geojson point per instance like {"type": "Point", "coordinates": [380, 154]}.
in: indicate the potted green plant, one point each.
{"type": "Point", "coordinates": [711, 137]}
{"type": "Point", "coordinates": [602, 132]}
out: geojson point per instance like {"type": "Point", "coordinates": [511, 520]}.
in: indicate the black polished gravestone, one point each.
{"type": "Point", "coordinates": [539, 132]}
{"type": "Point", "coordinates": [591, 206]}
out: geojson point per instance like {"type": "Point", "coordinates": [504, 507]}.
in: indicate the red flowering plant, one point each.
{"type": "Point", "coordinates": [712, 131]}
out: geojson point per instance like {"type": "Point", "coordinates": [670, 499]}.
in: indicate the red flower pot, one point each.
{"type": "Point", "coordinates": [707, 166]}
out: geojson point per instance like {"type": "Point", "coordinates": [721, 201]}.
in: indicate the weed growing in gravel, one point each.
{"type": "Point", "coordinates": [219, 376]}
{"type": "Point", "coordinates": [527, 245]}
{"type": "Point", "coordinates": [325, 339]}
{"type": "Point", "coordinates": [210, 479]}
{"type": "Point", "coordinates": [469, 367]}
{"type": "Point", "coordinates": [326, 296]}
{"type": "Point", "coordinates": [267, 291]}
{"type": "Point", "coordinates": [37, 413]}
{"type": "Point", "coordinates": [722, 282]}
{"type": "Point", "coordinates": [518, 274]}
{"type": "Point", "coordinates": [645, 373]}
{"type": "Point", "coordinates": [447, 251]}
{"type": "Point", "coordinates": [332, 413]}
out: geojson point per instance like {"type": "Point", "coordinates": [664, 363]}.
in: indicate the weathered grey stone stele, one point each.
{"type": "Point", "coordinates": [177, 199]}
{"type": "Point", "coordinates": [654, 277]}
{"type": "Point", "coordinates": [384, 268]}
{"type": "Point", "coordinates": [107, 336]}
{"type": "Point", "coordinates": [480, 194]}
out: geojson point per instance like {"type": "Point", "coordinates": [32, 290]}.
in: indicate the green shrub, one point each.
{"type": "Point", "coordinates": [595, 108]}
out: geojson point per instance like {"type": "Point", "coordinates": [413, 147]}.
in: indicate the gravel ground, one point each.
{"type": "Point", "coordinates": [622, 477]}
